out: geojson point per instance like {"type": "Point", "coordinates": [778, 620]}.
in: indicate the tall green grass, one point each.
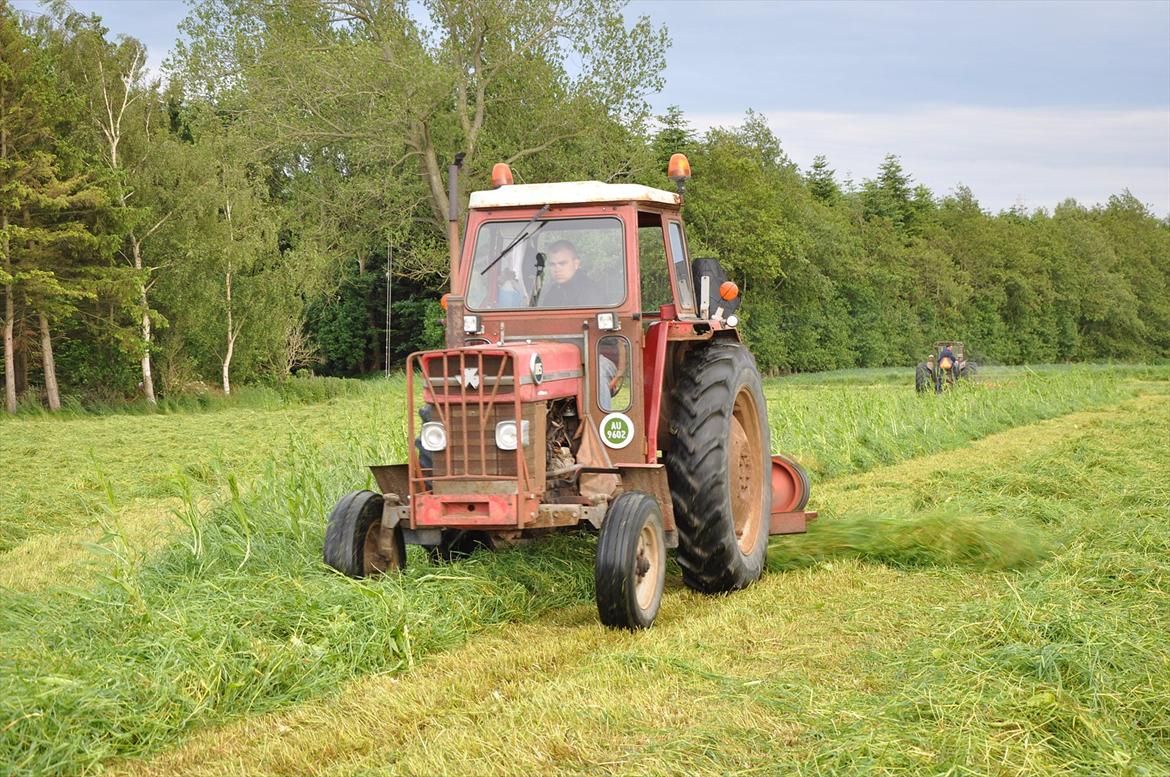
{"type": "Point", "coordinates": [837, 429]}
{"type": "Point", "coordinates": [259, 396]}
{"type": "Point", "coordinates": [238, 615]}
{"type": "Point", "coordinates": [61, 472]}
{"type": "Point", "coordinates": [895, 649]}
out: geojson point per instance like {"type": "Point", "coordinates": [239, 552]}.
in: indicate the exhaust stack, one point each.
{"type": "Point", "coordinates": [453, 216]}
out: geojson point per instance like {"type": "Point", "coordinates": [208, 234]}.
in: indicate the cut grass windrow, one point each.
{"type": "Point", "coordinates": [236, 615]}
{"type": "Point", "coordinates": [838, 666]}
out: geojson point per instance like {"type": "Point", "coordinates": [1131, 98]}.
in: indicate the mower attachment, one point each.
{"type": "Point", "coordinates": [790, 489]}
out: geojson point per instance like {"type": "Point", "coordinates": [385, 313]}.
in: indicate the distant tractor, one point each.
{"type": "Point", "coordinates": [593, 377]}
{"type": "Point", "coordinates": [946, 364]}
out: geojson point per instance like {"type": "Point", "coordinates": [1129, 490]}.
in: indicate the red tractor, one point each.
{"type": "Point", "coordinates": [593, 378]}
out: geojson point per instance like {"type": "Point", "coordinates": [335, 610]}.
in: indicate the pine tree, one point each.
{"type": "Point", "coordinates": [22, 129]}
{"type": "Point", "coordinates": [674, 136]}
{"type": "Point", "coordinates": [44, 238]}
{"type": "Point", "coordinates": [822, 182]}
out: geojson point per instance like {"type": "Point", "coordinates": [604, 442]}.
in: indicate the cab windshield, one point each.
{"type": "Point", "coordinates": [551, 263]}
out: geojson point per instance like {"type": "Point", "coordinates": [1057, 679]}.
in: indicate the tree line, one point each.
{"type": "Point", "coordinates": [243, 215]}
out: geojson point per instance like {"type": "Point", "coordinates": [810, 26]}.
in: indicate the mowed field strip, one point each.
{"type": "Point", "coordinates": [838, 666]}
{"type": "Point", "coordinates": [998, 607]}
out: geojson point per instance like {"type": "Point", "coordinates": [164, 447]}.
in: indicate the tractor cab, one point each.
{"type": "Point", "coordinates": [594, 273]}
{"type": "Point", "coordinates": [579, 333]}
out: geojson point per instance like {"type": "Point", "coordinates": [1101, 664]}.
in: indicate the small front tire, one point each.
{"type": "Point", "coordinates": [353, 538]}
{"type": "Point", "coordinates": [630, 571]}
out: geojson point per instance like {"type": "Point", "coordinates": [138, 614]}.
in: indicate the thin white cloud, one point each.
{"type": "Point", "coordinates": [1037, 156]}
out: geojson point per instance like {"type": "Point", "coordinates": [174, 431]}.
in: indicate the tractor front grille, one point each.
{"type": "Point", "coordinates": [470, 392]}
{"type": "Point", "coordinates": [471, 441]}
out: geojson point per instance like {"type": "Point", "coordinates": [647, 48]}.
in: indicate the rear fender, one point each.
{"type": "Point", "coordinates": [663, 349]}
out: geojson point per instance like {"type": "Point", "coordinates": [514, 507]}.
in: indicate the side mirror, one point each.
{"type": "Point", "coordinates": [709, 278]}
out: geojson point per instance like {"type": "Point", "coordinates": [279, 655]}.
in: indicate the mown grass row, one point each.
{"type": "Point", "coordinates": [238, 615]}
{"type": "Point", "coordinates": [1063, 668]}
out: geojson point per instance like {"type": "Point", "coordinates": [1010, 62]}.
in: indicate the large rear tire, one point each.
{"type": "Point", "coordinates": [921, 377]}
{"type": "Point", "coordinates": [630, 571]}
{"type": "Point", "coordinates": [353, 538]}
{"type": "Point", "coordinates": [719, 466]}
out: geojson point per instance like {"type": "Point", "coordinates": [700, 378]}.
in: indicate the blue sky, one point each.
{"type": "Point", "coordinates": [1025, 102]}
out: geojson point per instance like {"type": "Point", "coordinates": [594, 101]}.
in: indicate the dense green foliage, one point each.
{"type": "Point", "coordinates": [234, 220]}
{"type": "Point", "coordinates": [840, 277]}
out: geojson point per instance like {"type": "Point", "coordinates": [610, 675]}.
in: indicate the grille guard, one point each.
{"type": "Point", "coordinates": [467, 385]}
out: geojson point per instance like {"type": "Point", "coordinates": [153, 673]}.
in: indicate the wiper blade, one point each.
{"type": "Point", "coordinates": [524, 234]}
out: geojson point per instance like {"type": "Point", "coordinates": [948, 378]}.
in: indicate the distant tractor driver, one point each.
{"type": "Point", "coordinates": [946, 358]}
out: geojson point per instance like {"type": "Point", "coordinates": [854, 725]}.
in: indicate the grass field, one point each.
{"type": "Point", "coordinates": [986, 591]}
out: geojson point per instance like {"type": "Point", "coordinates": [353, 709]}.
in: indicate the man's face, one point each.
{"type": "Point", "coordinates": [563, 265]}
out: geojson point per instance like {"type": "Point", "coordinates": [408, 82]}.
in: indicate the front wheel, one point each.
{"type": "Point", "coordinates": [353, 538]}
{"type": "Point", "coordinates": [630, 571]}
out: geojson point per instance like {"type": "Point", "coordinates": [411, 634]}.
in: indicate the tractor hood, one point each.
{"type": "Point", "coordinates": [541, 370]}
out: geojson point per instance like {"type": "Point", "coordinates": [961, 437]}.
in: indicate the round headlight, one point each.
{"type": "Point", "coordinates": [506, 435]}
{"type": "Point", "coordinates": [433, 437]}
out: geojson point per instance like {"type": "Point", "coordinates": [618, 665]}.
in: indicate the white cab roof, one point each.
{"type": "Point", "coordinates": [536, 194]}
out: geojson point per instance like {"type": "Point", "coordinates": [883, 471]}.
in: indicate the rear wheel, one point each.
{"type": "Point", "coordinates": [718, 466]}
{"type": "Point", "coordinates": [630, 571]}
{"type": "Point", "coordinates": [921, 377]}
{"type": "Point", "coordinates": [353, 538]}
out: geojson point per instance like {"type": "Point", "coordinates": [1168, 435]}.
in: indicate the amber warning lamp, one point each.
{"type": "Point", "coordinates": [679, 171]}
{"type": "Point", "coordinates": [728, 291]}
{"type": "Point", "coordinates": [501, 175]}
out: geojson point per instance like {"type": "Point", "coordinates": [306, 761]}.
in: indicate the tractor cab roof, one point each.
{"type": "Point", "coordinates": [570, 193]}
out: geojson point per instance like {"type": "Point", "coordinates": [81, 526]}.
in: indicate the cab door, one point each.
{"type": "Point", "coordinates": [615, 340]}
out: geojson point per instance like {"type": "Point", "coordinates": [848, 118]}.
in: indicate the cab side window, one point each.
{"type": "Point", "coordinates": [613, 367]}
{"type": "Point", "coordinates": [682, 266]}
{"type": "Point", "coordinates": [655, 277]}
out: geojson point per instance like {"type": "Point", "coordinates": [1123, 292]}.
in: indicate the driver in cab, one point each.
{"type": "Point", "coordinates": [568, 287]}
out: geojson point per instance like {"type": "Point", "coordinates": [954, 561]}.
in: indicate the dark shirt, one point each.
{"type": "Point", "coordinates": [947, 353]}
{"type": "Point", "coordinates": [578, 291]}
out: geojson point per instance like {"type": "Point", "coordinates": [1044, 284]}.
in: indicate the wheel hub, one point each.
{"type": "Point", "coordinates": [374, 558]}
{"type": "Point", "coordinates": [746, 476]}
{"type": "Point", "coordinates": [647, 563]}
